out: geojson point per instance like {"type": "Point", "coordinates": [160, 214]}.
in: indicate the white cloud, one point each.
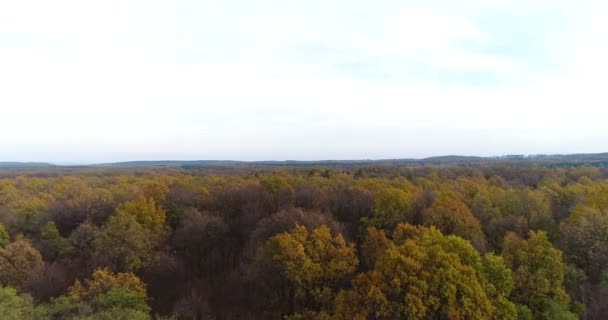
{"type": "Point", "coordinates": [430, 30]}
{"type": "Point", "coordinates": [109, 81]}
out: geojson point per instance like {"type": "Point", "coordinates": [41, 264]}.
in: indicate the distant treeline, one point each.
{"type": "Point", "coordinates": [483, 240]}
{"type": "Point", "coordinates": [557, 160]}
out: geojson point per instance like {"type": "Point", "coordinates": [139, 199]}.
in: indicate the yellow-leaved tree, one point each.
{"type": "Point", "coordinates": [311, 266]}
{"type": "Point", "coordinates": [424, 274]}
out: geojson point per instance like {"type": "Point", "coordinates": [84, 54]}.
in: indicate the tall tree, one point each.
{"type": "Point", "coordinates": [146, 212]}
{"type": "Point", "coordinates": [585, 240]}
{"type": "Point", "coordinates": [311, 265]}
{"type": "Point", "coordinates": [391, 207]}
{"type": "Point", "coordinates": [19, 262]}
{"type": "Point", "coordinates": [4, 236]}
{"type": "Point", "coordinates": [123, 244]}
{"type": "Point", "coordinates": [106, 295]}
{"type": "Point", "coordinates": [538, 274]}
{"type": "Point", "coordinates": [452, 216]}
{"type": "Point", "coordinates": [426, 275]}
{"type": "Point", "coordinates": [14, 306]}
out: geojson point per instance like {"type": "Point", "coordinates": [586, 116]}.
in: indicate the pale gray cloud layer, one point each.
{"type": "Point", "coordinates": [121, 80]}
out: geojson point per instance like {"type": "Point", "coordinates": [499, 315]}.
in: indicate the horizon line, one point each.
{"type": "Point", "coordinates": [93, 163]}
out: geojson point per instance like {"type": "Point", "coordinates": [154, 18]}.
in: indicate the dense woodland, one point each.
{"type": "Point", "coordinates": [428, 242]}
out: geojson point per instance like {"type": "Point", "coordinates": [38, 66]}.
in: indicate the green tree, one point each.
{"type": "Point", "coordinates": [498, 211]}
{"type": "Point", "coordinates": [53, 244]}
{"type": "Point", "coordinates": [538, 274]}
{"type": "Point", "coordinates": [119, 304]}
{"type": "Point", "coordinates": [536, 210]}
{"type": "Point", "coordinates": [123, 244]}
{"type": "Point", "coordinates": [498, 283]}
{"type": "Point", "coordinates": [4, 236]}
{"type": "Point", "coordinates": [391, 207]}
{"type": "Point", "coordinates": [584, 237]}
{"type": "Point", "coordinates": [106, 295]}
{"type": "Point", "coordinates": [15, 306]}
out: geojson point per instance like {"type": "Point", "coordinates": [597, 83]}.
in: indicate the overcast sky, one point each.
{"type": "Point", "coordinates": [96, 81]}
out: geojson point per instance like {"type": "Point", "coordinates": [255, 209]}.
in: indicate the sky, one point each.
{"type": "Point", "coordinates": [100, 81]}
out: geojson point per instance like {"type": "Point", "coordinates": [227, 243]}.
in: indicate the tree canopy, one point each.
{"type": "Point", "coordinates": [465, 241]}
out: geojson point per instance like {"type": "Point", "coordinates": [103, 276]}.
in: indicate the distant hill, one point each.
{"type": "Point", "coordinates": [452, 159]}
{"type": "Point", "coordinates": [18, 165]}
{"type": "Point", "coordinates": [168, 163]}
{"type": "Point", "coordinates": [593, 159]}
{"type": "Point", "coordinates": [555, 160]}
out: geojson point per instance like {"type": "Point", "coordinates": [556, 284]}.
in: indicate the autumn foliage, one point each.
{"type": "Point", "coordinates": [385, 242]}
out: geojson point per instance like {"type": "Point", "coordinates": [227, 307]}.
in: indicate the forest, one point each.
{"type": "Point", "coordinates": [467, 241]}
